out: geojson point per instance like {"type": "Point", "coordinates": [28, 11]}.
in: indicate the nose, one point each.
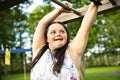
{"type": "Point", "coordinates": [58, 34]}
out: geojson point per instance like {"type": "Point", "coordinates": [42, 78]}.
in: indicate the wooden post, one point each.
{"type": "Point", "coordinates": [105, 7]}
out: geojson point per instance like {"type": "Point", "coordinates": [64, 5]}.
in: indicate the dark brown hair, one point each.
{"type": "Point", "coordinates": [59, 52]}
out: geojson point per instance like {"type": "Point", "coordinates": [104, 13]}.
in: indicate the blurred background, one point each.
{"type": "Point", "coordinates": [18, 20]}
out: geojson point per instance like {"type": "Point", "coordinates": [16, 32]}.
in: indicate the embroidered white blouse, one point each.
{"type": "Point", "coordinates": [43, 69]}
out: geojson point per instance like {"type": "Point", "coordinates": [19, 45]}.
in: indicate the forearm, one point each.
{"type": "Point", "coordinates": [89, 16]}
{"type": "Point", "coordinates": [50, 17]}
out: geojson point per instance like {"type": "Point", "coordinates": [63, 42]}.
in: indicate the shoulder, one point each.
{"type": "Point", "coordinates": [39, 51]}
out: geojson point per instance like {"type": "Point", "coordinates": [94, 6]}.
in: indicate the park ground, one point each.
{"type": "Point", "coordinates": [96, 73]}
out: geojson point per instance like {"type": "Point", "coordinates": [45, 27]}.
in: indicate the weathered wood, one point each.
{"type": "Point", "coordinates": [5, 4]}
{"type": "Point", "coordinates": [106, 6]}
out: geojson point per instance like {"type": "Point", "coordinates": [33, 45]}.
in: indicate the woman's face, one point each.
{"type": "Point", "coordinates": [56, 36]}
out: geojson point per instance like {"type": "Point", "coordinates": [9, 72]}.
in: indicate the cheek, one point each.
{"type": "Point", "coordinates": [49, 38]}
{"type": "Point", "coordinates": [65, 37]}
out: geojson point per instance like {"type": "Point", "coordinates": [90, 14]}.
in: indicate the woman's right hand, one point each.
{"type": "Point", "coordinates": [61, 9]}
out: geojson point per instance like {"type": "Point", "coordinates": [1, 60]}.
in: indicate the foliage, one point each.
{"type": "Point", "coordinates": [37, 14]}
{"type": "Point", "coordinates": [110, 37]}
{"type": "Point", "coordinates": [112, 33]}
{"type": "Point", "coordinates": [107, 42]}
{"type": "Point", "coordinates": [13, 28]}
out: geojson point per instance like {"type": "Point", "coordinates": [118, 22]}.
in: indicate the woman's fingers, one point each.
{"type": "Point", "coordinates": [64, 6]}
{"type": "Point", "coordinates": [69, 7]}
{"type": "Point", "coordinates": [68, 4]}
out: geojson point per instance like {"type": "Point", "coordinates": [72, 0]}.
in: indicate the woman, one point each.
{"type": "Point", "coordinates": [55, 57]}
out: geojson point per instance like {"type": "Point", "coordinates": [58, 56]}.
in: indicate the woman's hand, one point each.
{"type": "Point", "coordinates": [61, 9]}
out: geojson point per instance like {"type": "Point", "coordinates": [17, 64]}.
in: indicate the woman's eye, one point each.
{"type": "Point", "coordinates": [62, 31]}
{"type": "Point", "coordinates": [53, 32]}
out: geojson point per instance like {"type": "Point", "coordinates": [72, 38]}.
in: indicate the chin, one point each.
{"type": "Point", "coordinates": [60, 46]}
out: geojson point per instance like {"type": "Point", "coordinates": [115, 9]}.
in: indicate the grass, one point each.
{"type": "Point", "coordinates": [16, 77]}
{"type": "Point", "coordinates": [103, 73]}
{"type": "Point", "coordinates": [99, 73]}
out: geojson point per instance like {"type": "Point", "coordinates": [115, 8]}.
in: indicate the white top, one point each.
{"type": "Point", "coordinates": [43, 69]}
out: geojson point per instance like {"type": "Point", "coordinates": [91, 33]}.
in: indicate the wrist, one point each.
{"type": "Point", "coordinates": [60, 10]}
{"type": "Point", "coordinates": [96, 2]}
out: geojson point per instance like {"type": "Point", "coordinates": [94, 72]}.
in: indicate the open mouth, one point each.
{"type": "Point", "coordinates": [58, 39]}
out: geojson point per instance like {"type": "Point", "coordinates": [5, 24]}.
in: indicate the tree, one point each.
{"type": "Point", "coordinates": [12, 23]}
{"type": "Point", "coordinates": [107, 37]}
{"type": "Point", "coordinates": [111, 33]}
{"type": "Point", "coordinates": [35, 16]}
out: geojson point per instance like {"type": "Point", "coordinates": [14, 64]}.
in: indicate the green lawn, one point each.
{"type": "Point", "coordinates": [16, 77]}
{"type": "Point", "coordinates": [99, 73]}
{"type": "Point", "coordinates": [103, 73]}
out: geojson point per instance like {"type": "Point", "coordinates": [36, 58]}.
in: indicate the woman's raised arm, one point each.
{"type": "Point", "coordinates": [80, 41]}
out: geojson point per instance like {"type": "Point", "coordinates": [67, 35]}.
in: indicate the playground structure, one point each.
{"type": "Point", "coordinates": [107, 5]}
{"type": "Point", "coordinates": [13, 51]}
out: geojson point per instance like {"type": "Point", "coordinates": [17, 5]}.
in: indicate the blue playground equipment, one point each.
{"type": "Point", "coordinates": [21, 50]}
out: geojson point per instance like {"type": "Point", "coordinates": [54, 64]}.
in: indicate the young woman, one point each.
{"type": "Point", "coordinates": [55, 56]}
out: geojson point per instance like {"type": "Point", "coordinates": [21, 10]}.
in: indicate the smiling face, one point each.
{"type": "Point", "coordinates": [56, 36]}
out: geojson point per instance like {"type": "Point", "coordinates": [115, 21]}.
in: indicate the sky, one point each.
{"type": "Point", "coordinates": [33, 5]}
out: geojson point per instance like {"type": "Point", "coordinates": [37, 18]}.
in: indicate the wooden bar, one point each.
{"type": "Point", "coordinates": [105, 7]}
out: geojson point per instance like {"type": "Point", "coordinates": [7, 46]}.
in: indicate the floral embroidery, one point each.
{"type": "Point", "coordinates": [73, 78]}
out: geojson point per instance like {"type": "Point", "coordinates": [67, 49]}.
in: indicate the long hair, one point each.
{"type": "Point", "coordinates": [59, 52]}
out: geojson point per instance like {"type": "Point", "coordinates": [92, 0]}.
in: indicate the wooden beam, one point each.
{"type": "Point", "coordinates": [105, 7]}
{"type": "Point", "coordinates": [6, 4]}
